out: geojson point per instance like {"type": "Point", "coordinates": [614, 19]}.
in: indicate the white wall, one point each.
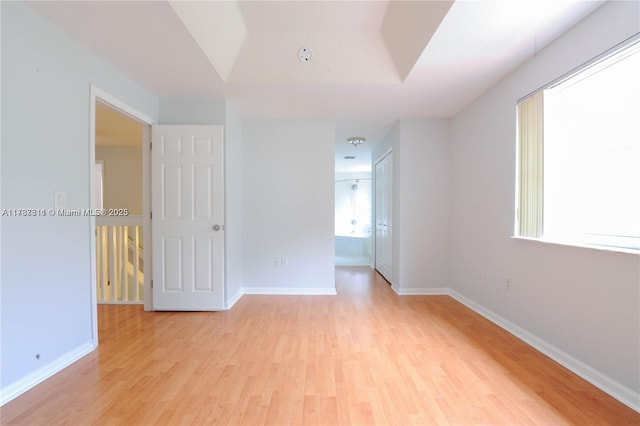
{"type": "Point", "coordinates": [421, 201]}
{"type": "Point", "coordinates": [122, 172]}
{"type": "Point", "coordinates": [422, 179]}
{"type": "Point", "coordinates": [288, 190]}
{"type": "Point", "coordinates": [46, 79]}
{"type": "Point", "coordinates": [584, 302]}
{"type": "Point", "coordinates": [191, 111]}
{"type": "Point", "coordinates": [233, 205]}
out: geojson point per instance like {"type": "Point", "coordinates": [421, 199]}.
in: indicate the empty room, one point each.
{"type": "Point", "coordinates": [320, 212]}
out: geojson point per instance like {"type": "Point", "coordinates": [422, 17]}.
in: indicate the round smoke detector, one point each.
{"type": "Point", "coordinates": [305, 54]}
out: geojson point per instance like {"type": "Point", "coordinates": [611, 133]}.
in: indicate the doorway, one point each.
{"type": "Point", "coordinates": [118, 192]}
{"type": "Point", "coordinates": [353, 196]}
{"type": "Point", "coordinates": [353, 212]}
{"type": "Point", "coordinates": [119, 207]}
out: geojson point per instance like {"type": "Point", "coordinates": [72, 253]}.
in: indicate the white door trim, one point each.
{"type": "Point", "coordinates": [99, 95]}
{"type": "Point", "coordinates": [382, 156]}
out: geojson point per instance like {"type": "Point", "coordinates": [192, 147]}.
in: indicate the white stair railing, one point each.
{"type": "Point", "coordinates": [119, 263]}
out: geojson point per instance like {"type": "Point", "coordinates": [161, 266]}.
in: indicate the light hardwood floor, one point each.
{"type": "Point", "coordinates": [364, 357]}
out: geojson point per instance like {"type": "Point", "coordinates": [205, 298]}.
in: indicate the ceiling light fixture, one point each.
{"type": "Point", "coordinates": [356, 140]}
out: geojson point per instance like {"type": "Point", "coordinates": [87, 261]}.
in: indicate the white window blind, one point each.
{"type": "Point", "coordinates": [531, 172]}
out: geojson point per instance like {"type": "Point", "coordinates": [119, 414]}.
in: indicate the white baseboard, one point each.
{"type": "Point", "coordinates": [618, 391]}
{"type": "Point", "coordinates": [233, 299]}
{"type": "Point", "coordinates": [418, 291]}
{"type": "Point", "coordinates": [313, 291]}
{"type": "Point", "coordinates": [351, 262]}
{"type": "Point", "coordinates": [303, 291]}
{"type": "Point", "coordinates": [19, 387]}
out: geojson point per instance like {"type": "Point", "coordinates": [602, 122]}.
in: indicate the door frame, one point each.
{"type": "Point", "coordinates": [99, 95]}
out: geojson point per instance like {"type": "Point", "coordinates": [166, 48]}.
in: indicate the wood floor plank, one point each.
{"type": "Point", "coordinates": [365, 356]}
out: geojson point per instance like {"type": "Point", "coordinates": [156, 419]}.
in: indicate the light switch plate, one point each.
{"type": "Point", "coordinates": [60, 200]}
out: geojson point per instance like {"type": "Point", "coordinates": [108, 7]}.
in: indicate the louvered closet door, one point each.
{"type": "Point", "coordinates": [383, 216]}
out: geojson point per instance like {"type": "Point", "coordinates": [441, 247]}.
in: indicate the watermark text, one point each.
{"type": "Point", "coordinates": [64, 212]}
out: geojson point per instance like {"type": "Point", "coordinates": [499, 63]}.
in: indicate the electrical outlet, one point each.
{"type": "Point", "coordinates": [277, 261]}
{"type": "Point", "coordinates": [507, 283]}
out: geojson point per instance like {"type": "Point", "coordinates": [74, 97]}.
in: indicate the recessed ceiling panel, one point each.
{"type": "Point", "coordinates": [266, 16]}
{"type": "Point", "coordinates": [217, 27]}
{"type": "Point", "coordinates": [339, 57]}
{"type": "Point", "coordinates": [386, 59]}
{"type": "Point", "coordinates": [408, 26]}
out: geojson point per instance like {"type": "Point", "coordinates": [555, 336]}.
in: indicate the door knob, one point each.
{"type": "Point", "coordinates": [216, 227]}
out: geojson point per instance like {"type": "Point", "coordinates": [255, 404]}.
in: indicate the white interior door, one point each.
{"type": "Point", "coordinates": [383, 216]}
{"type": "Point", "coordinates": [188, 217]}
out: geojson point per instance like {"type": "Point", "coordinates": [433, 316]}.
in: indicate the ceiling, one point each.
{"type": "Point", "coordinates": [373, 61]}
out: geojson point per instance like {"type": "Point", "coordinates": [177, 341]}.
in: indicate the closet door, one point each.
{"type": "Point", "coordinates": [383, 216]}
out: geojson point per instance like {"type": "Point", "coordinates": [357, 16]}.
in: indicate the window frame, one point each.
{"type": "Point", "coordinates": [533, 230]}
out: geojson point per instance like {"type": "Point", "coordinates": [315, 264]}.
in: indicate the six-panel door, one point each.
{"type": "Point", "coordinates": [188, 217]}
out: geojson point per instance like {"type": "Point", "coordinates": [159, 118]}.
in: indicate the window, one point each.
{"type": "Point", "coordinates": [579, 155]}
